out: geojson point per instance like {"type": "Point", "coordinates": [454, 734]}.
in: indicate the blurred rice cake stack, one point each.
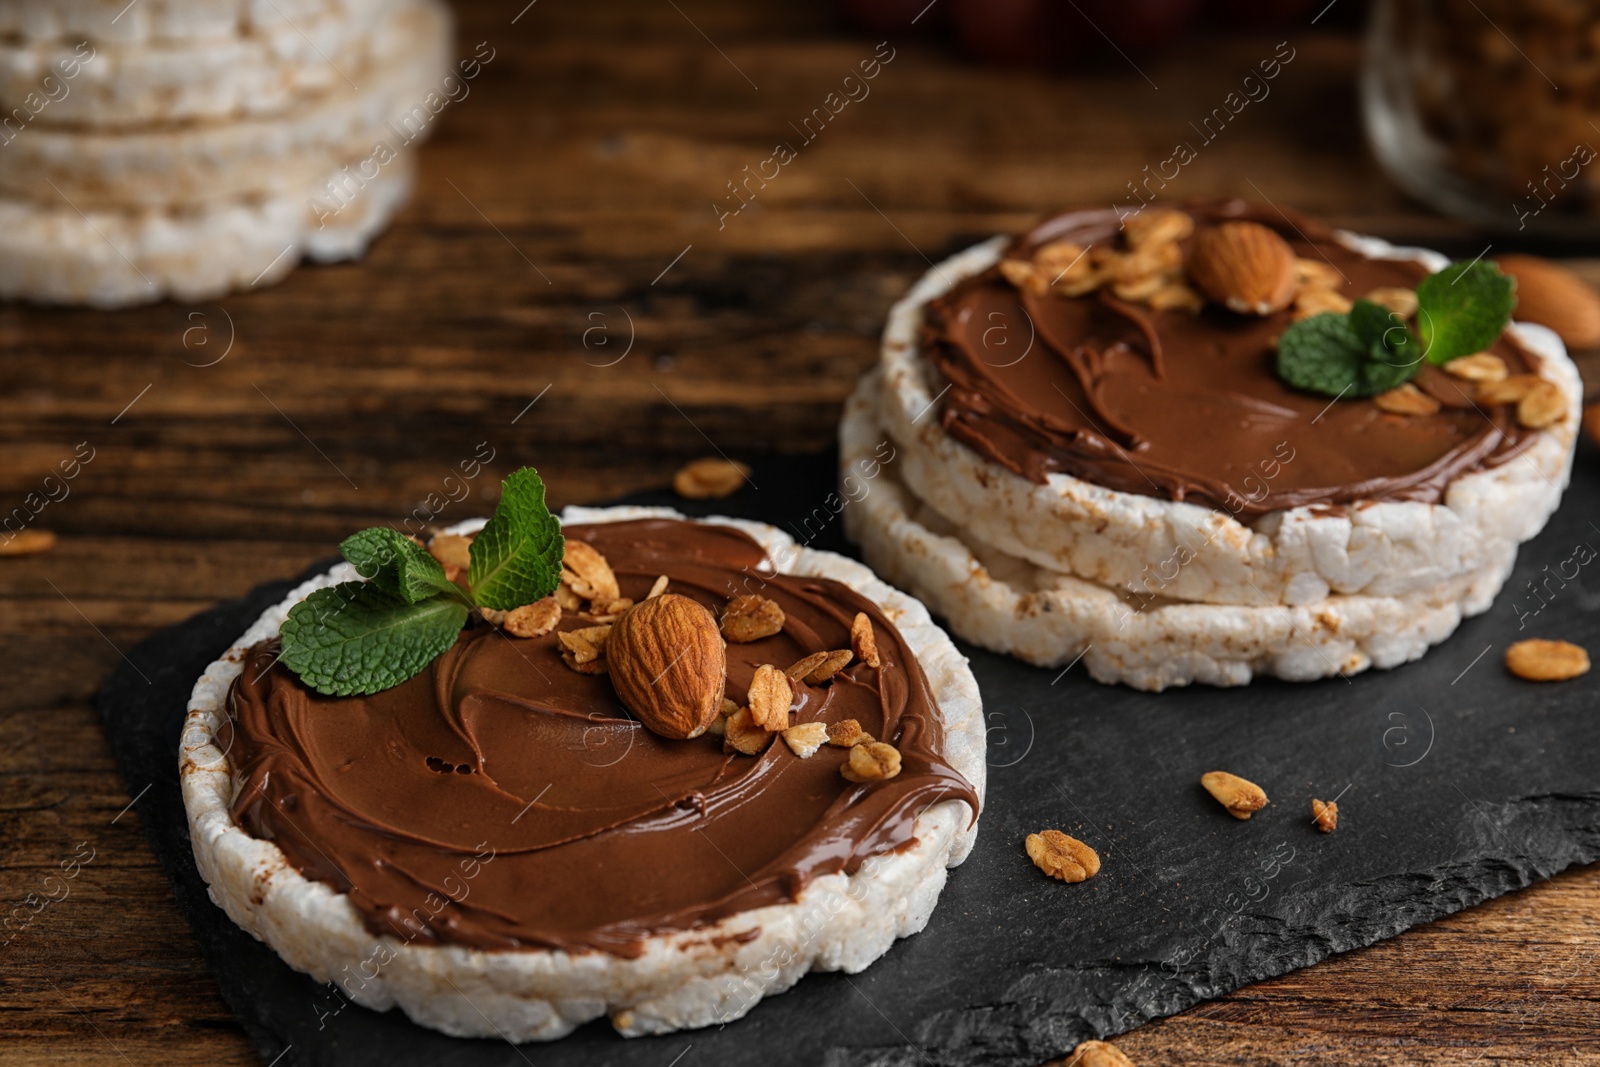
{"type": "Point", "coordinates": [185, 148]}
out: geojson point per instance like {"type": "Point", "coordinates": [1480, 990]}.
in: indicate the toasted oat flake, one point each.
{"type": "Point", "coordinates": [1325, 814]}
{"type": "Point", "coordinates": [1406, 399]}
{"type": "Point", "coordinates": [742, 734]}
{"type": "Point", "coordinates": [832, 663]}
{"type": "Point", "coordinates": [751, 618]}
{"type": "Point", "coordinates": [1539, 660]}
{"type": "Point", "coordinates": [804, 740]}
{"type": "Point", "coordinates": [847, 733]}
{"type": "Point", "coordinates": [451, 550]}
{"type": "Point", "coordinates": [871, 761]}
{"type": "Point", "coordinates": [585, 571]}
{"type": "Point", "coordinates": [532, 620]}
{"type": "Point", "coordinates": [769, 698]}
{"type": "Point", "coordinates": [1481, 367]}
{"type": "Point", "coordinates": [863, 641]}
{"type": "Point", "coordinates": [711, 478]}
{"type": "Point", "coordinates": [1063, 857]}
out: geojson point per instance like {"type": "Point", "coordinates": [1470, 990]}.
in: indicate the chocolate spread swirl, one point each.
{"type": "Point", "coordinates": [1187, 406]}
{"type": "Point", "coordinates": [501, 800]}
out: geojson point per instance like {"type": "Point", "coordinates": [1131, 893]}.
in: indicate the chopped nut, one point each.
{"type": "Point", "coordinates": [1314, 300]}
{"type": "Point", "coordinates": [1063, 857]}
{"type": "Point", "coordinates": [1097, 1054]}
{"type": "Point", "coordinates": [658, 588]}
{"type": "Point", "coordinates": [586, 572]}
{"type": "Point", "coordinates": [1080, 286]}
{"type": "Point", "coordinates": [1023, 275]}
{"type": "Point", "coordinates": [750, 618]}
{"type": "Point", "coordinates": [871, 761]}
{"type": "Point", "coordinates": [1175, 296]}
{"type": "Point", "coordinates": [1402, 302]}
{"type": "Point", "coordinates": [1156, 226]}
{"type": "Point", "coordinates": [742, 735]}
{"type": "Point", "coordinates": [728, 706]}
{"type": "Point", "coordinates": [769, 698]}
{"type": "Point", "coordinates": [1542, 405]}
{"type": "Point", "coordinates": [863, 641]}
{"type": "Point", "coordinates": [1325, 814]}
{"type": "Point", "coordinates": [593, 666]}
{"type": "Point", "coordinates": [800, 668]}
{"type": "Point", "coordinates": [1062, 262]}
{"type": "Point", "coordinates": [847, 733]}
{"type": "Point", "coordinates": [1317, 273]}
{"type": "Point", "coordinates": [28, 543]}
{"type": "Point", "coordinates": [711, 478]}
{"type": "Point", "coordinates": [532, 620]}
{"type": "Point", "coordinates": [1506, 390]}
{"type": "Point", "coordinates": [718, 726]}
{"type": "Point", "coordinates": [1546, 661]}
{"type": "Point", "coordinates": [493, 617]}
{"type": "Point", "coordinates": [804, 740]}
{"type": "Point", "coordinates": [568, 600]}
{"type": "Point", "coordinates": [1139, 288]}
{"type": "Point", "coordinates": [1406, 399]}
{"type": "Point", "coordinates": [602, 609]}
{"type": "Point", "coordinates": [832, 663]}
{"type": "Point", "coordinates": [580, 648]}
{"type": "Point", "coordinates": [1482, 367]}
{"type": "Point", "coordinates": [451, 550]}
{"type": "Point", "coordinates": [1239, 796]}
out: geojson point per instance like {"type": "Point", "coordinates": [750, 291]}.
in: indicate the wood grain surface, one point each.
{"type": "Point", "coordinates": [560, 292]}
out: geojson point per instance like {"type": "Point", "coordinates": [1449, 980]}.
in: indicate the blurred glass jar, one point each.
{"type": "Point", "coordinates": [1489, 109]}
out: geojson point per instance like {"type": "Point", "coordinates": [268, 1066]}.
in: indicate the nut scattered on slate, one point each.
{"type": "Point", "coordinates": [1546, 661]}
{"type": "Point", "coordinates": [1063, 857]}
{"type": "Point", "coordinates": [1325, 814]}
{"type": "Point", "coordinates": [1242, 798]}
{"type": "Point", "coordinates": [710, 479]}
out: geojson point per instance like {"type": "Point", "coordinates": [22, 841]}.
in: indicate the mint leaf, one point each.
{"type": "Point", "coordinates": [355, 638]}
{"type": "Point", "coordinates": [516, 558]}
{"type": "Point", "coordinates": [1393, 355]}
{"type": "Point", "coordinates": [397, 565]}
{"type": "Point", "coordinates": [1322, 354]}
{"type": "Point", "coordinates": [1463, 309]}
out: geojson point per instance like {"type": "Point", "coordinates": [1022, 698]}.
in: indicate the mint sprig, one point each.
{"type": "Point", "coordinates": [1370, 349]}
{"type": "Point", "coordinates": [363, 637]}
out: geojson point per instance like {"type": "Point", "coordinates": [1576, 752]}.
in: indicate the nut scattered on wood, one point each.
{"type": "Point", "coordinates": [710, 479]}
{"type": "Point", "coordinates": [832, 663]}
{"type": "Point", "coordinates": [1555, 297]}
{"type": "Point", "coordinates": [1325, 814]}
{"type": "Point", "coordinates": [769, 698]}
{"type": "Point", "coordinates": [451, 550]}
{"type": "Point", "coordinates": [28, 543]}
{"type": "Point", "coordinates": [1546, 661]}
{"type": "Point", "coordinates": [871, 761]}
{"type": "Point", "coordinates": [804, 740]}
{"type": "Point", "coordinates": [1156, 226]}
{"type": "Point", "coordinates": [1406, 399]}
{"type": "Point", "coordinates": [1402, 302]}
{"type": "Point", "coordinates": [750, 618]}
{"type": "Point", "coordinates": [1096, 1054]}
{"type": "Point", "coordinates": [847, 733]}
{"type": "Point", "coordinates": [1240, 797]}
{"type": "Point", "coordinates": [585, 571]}
{"type": "Point", "coordinates": [1542, 405]}
{"type": "Point", "coordinates": [532, 620]}
{"type": "Point", "coordinates": [741, 734]}
{"type": "Point", "coordinates": [1480, 367]}
{"type": "Point", "coordinates": [863, 641]}
{"type": "Point", "coordinates": [669, 665]}
{"type": "Point", "coordinates": [1244, 266]}
{"type": "Point", "coordinates": [658, 588]}
{"type": "Point", "coordinates": [1506, 390]}
{"type": "Point", "coordinates": [1063, 857]}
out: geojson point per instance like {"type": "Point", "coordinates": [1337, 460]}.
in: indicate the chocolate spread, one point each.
{"type": "Point", "coordinates": [501, 800]}
{"type": "Point", "coordinates": [1188, 406]}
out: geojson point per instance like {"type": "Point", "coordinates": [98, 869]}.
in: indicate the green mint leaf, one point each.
{"type": "Point", "coordinates": [354, 638]}
{"type": "Point", "coordinates": [1393, 355]}
{"type": "Point", "coordinates": [1384, 371]}
{"type": "Point", "coordinates": [1463, 309]}
{"type": "Point", "coordinates": [516, 558]}
{"type": "Point", "coordinates": [1322, 354]}
{"type": "Point", "coordinates": [397, 565]}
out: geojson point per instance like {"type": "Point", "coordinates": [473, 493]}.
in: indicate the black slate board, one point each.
{"type": "Point", "coordinates": [1456, 783]}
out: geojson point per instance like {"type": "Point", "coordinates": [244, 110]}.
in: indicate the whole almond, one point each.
{"type": "Point", "coordinates": [1553, 296]}
{"type": "Point", "coordinates": [668, 665]}
{"type": "Point", "coordinates": [1242, 798]}
{"type": "Point", "coordinates": [1244, 266]}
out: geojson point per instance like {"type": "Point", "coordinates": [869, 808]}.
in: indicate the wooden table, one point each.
{"type": "Point", "coordinates": [568, 202]}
